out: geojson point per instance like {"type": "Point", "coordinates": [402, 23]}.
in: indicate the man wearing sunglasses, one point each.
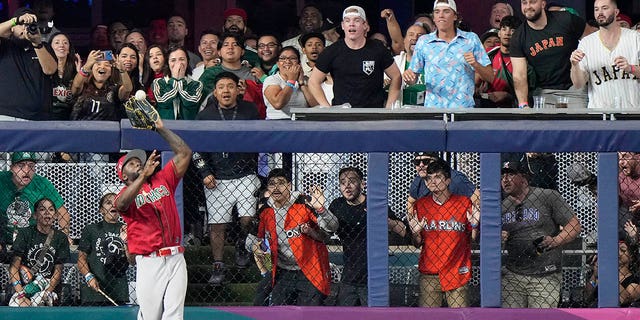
{"type": "Point", "coordinates": [536, 222]}
{"type": "Point", "coordinates": [460, 183]}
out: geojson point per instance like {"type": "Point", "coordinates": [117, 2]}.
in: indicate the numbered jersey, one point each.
{"type": "Point", "coordinates": [98, 104]}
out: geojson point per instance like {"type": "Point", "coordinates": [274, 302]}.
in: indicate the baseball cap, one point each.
{"type": "Point", "coordinates": [514, 167]}
{"type": "Point", "coordinates": [447, 3]}
{"type": "Point", "coordinates": [354, 11]}
{"type": "Point", "coordinates": [625, 18]}
{"type": "Point", "coordinates": [235, 12]}
{"type": "Point", "coordinates": [23, 156]}
{"type": "Point", "coordinates": [305, 37]}
{"type": "Point", "coordinates": [135, 153]}
{"type": "Point", "coordinates": [578, 173]}
{"type": "Point", "coordinates": [488, 34]}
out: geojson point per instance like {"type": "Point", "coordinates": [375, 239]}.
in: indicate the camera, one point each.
{"type": "Point", "coordinates": [32, 28]}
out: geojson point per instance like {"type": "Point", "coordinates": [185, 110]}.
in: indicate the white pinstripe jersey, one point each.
{"type": "Point", "coordinates": [605, 80]}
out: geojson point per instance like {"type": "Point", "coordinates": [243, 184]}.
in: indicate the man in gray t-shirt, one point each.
{"type": "Point", "coordinates": [535, 224]}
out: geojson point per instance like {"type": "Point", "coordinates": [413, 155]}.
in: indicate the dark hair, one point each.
{"type": "Point", "coordinates": [225, 75]}
{"type": "Point", "coordinates": [292, 49]}
{"type": "Point", "coordinates": [434, 155]}
{"type": "Point", "coordinates": [235, 36]}
{"type": "Point", "coordinates": [173, 49]}
{"type": "Point", "coordinates": [136, 30]}
{"type": "Point", "coordinates": [355, 170]}
{"type": "Point", "coordinates": [41, 201]}
{"type": "Point", "coordinates": [210, 31]}
{"type": "Point", "coordinates": [148, 75]}
{"type": "Point", "coordinates": [269, 35]}
{"type": "Point", "coordinates": [135, 73]}
{"type": "Point", "coordinates": [439, 166]}
{"type": "Point", "coordinates": [104, 197]}
{"type": "Point", "coordinates": [69, 70]}
{"type": "Point", "coordinates": [279, 173]}
{"type": "Point", "coordinates": [512, 22]}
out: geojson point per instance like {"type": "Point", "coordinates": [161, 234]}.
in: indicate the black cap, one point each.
{"type": "Point", "coordinates": [23, 10]}
{"type": "Point", "coordinates": [305, 37]}
{"type": "Point", "coordinates": [489, 33]}
{"type": "Point", "coordinates": [427, 154]}
{"type": "Point", "coordinates": [514, 167]}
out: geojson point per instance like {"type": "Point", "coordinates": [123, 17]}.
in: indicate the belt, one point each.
{"type": "Point", "coordinates": [167, 251]}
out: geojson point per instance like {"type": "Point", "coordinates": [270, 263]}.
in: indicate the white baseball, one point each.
{"type": "Point", "coordinates": [140, 95]}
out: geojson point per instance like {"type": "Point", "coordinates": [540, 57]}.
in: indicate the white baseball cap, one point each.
{"type": "Point", "coordinates": [354, 11]}
{"type": "Point", "coordinates": [448, 4]}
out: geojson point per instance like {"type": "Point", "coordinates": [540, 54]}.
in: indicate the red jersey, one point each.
{"type": "Point", "coordinates": [501, 75]}
{"type": "Point", "coordinates": [446, 249]}
{"type": "Point", "coordinates": [312, 256]}
{"type": "Point", "coordinates": [152, 218]}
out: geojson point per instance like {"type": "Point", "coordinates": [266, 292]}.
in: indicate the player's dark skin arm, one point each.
{"type": "Point", "coordinates": [180, 148]}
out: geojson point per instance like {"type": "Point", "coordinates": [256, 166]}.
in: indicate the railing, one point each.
{"type": "Point", "coordinates": [378, 138]}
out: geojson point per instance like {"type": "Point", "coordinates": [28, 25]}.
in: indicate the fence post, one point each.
{"type": "Point", "coordinates": [491, 227]}
{"type": "Point", "coordinates": [608, 230]}
{"type": "Point", "coordinates": [377, 228]}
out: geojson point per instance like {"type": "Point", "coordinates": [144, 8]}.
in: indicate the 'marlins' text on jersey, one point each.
{"type": "Point", "coordinates": [606, 74]}
{"type": "Point", "coordinates": [445, 225]}
{"type": "Point", "coordinates": [152, 196]}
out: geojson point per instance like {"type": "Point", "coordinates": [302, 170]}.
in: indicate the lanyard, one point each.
{"type": "Point", "coordinates": [235, 113]}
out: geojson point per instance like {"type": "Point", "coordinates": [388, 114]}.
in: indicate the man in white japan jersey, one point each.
{"type": "Point", "coordinates": [607, 61]}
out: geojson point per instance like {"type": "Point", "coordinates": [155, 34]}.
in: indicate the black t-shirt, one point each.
{"type": "Point", "coordinates": [352, 231]}
{"type": "Point", "coordinates": [358, 75]}
{"type": "Point", "coordinates": [101, 104]}
{"type": "Point", "coordinates": [228, 165]}
{"type": "Point", "coordinates": [548, 50]}
{"type": "Point", "coordinates": [24, 88]}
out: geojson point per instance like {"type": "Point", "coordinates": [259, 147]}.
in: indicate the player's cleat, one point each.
{"type": "Point", "coordinates": [217, 277]}
{"type": "Point", "coordinates": [243, 257]}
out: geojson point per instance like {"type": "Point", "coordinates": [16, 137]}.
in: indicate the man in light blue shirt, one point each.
{"type": "Point", "coordinates": [449, 58]}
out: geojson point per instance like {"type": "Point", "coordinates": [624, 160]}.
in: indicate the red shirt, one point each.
{"type": "Point", "coordinates": [446, 249]}
{"type": "Point", "coordinates": [152, 218]}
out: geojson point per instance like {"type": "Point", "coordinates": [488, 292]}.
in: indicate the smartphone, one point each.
{"type": "Point", "coordinates": [107, 55]}
{"type": "Point", "coordinates": [264, 245]}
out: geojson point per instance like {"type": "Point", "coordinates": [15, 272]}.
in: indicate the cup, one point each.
{"type": "Point", "coordinates": [538, 102]}
{"type": "Point", "coordinates": [562, 102]}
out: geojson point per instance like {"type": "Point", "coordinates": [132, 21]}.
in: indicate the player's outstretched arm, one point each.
{"type": "Point", "coordinates": [180, 148]}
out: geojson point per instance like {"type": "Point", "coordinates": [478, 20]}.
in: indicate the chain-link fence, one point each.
{"type": "Point", "coordinates": [221, 213]}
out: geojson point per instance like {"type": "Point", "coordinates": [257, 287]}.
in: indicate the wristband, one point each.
{"type": "Point", "coordinates": [17, 282]}
{"type": "Point", "coordinates": [21, 295]}
{"type": "Point", "coordinates": [593, 283]}
{"type": "Point", "coordinates": [321, 210]}
{"type": "Point", "coordinates": [633, 69]}
{"type": "Point", "coordinates": [83, 73]}
{"type": "Point", "coordinates": [38, 46]}
{"type": "Point", "coordinates": [474, 225]}
{"type": "Point", "coordinates": [264, 274]}
{"type": "Point", "coordinates": [291, 85]}
{"type": "Point", "coordinates": [88, 277]}
{"type": "Point", "coordinates": [523, 105]}
{"type": "Point", "coordinates": [14, 22]}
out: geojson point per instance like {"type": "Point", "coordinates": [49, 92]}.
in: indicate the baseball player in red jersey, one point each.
{"type": "Point", "coordinates": [442, 224]}
{"type": "Point", "coordinates": [148, 206]}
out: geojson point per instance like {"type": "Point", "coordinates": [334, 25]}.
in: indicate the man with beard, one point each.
{"type": "Point", "coordinates": [357, 66]}
{"type": "Point", "coordinates": [177, 31]}
{"type": "Point", "coordinates": [351, 212]}
{"type": "Point", "coordinates": [448, 59]}
{"type": "Point", "coordinates": [500, 92]}
{"type": "Point", "coordinates": [546, 42]}
{"type": "Point", "coordinates": [21, 188]}
{"type": "Point", "coordinates": [611, 83]}
{"type": "Point", "coordinates": [26, 63]}
{"type": "Point", "coordinates": [310, 21]}
{"type": "Point", "coordinates": [268, 52]}
{"type": "Point", "coordinates": [148, 206]}
{"type": "Point", "coordinates": [117, 33]}
{"type": "Point", "coordinates": [536, 223]}
{"type": "Point", "coordinates": [235, 21]}
{"type": "Point", "coordinates": [629, 180]}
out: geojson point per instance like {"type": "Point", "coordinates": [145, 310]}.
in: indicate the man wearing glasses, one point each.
{"type": "Point", "coordinates": [536, 222]}
{"type": "Point", "coordinates": [460, 184]}
{"type": "Point", "coordinates": [22, 188]}
{"type": "Point", "coordinates": [268, 52]}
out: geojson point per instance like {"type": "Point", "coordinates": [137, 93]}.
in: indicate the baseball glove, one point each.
{"type": "Point", "coordinates": [140, 112]}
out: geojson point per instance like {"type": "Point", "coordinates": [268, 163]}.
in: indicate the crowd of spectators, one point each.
{"type": "Point", "coordinates": [437, 63]}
